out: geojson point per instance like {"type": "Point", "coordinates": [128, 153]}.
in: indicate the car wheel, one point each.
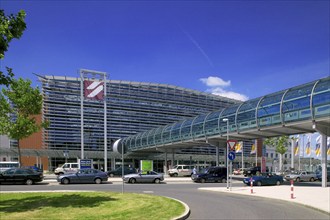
{"type": "Point", "coordinates": [175, 175]}
{"type": "Point", "coordinates": [65, 181]}
{"type": "Point", "coordinates": [157, 181]}
{"type": "Point", "coordinates": [298, 179]}
{"type": "Point", "coordinates": [258, 183]}
{"type": "Point", "coordinates": [29, 182]}
{"type": "Point", "coordinates": [223, 180]}
{"type": "Point", "coordinates": [98, 181]}
{"type": "Point", "coordinates": [202, 180]}
{"type": "Point", "coordinates": [312, 179]}
{"type": "Point", "coordinates": [111, 175]}
{"type": "Point", "coordinates": [278, 182]}
{"type": "Point", "coordinates": [132, 180]}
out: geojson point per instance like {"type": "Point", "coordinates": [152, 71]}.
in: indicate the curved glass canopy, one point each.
{"type": "Point", "coordinates": [305, 102]}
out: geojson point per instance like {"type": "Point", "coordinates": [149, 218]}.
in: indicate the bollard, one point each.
{"type": "Point", "coordinates": [292, 196]}
{"type": "Point", "coordinates": [251, 184]}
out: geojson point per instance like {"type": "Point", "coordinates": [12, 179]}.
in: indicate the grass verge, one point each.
{"type": "Point", "coordinates": [87, 205]}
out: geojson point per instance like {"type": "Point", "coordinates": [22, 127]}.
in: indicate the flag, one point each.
{"type": "Point", "coordinates": [308, 146]}
{"type": "Point", "coordinates": [328, 146]}
{"type": "Point", "coordinates": [253, 149]}
{"type": "Point", "coordinates": [239, 147]}
{"type": "Point", "coordinates": [93, 90]}
{"type": "Point", "coordinates": [318, 146]}
{"type": "Point", "coordinates": [296, 148]}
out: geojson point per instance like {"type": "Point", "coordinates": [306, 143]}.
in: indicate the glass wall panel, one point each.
{"type": "Point", "coordinates": [211, 123]}
{"type": "Point", "coordinates": [197, 127]}
{"type": "Point", "coordinates": [158, 135]}
{"type": "Point", "coordinates": [230, 114]}
{"type": "Point", "coordinates": [321, 99]}
{"type": "Point", "coordinates": [246, 116]}
{"type": "Point", "coordinates": [166, 134]}
{"type": "Point", "coordinates": [151, 137]}
{"type": "Point", "coordinates": [186, 129]}
{"type": "Point", "coordinates": [296, 103]}
{"type": "Point", "coordinates": [269, 110]}
{"type": "Point", "coordinates": [175, 133]}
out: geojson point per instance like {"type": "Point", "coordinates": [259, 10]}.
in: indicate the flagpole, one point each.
{"type": "Point", "coordinates": [82, 113]}
{"type": "Point", "coordinates": [256, 147]}
{"type": "Point", "coordinates": [242, 155]}
{"type": "Point", "coordinates": [298, 153]}
{"type": "Point", "coordinates": [105, 124]}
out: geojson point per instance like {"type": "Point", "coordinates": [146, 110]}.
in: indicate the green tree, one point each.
{"type": "Point", "coordinates": [19, 104]}
{"type": "Point", "coordinates": [280, 144]}
{"type": "Point", "coordinates": [11, 27]}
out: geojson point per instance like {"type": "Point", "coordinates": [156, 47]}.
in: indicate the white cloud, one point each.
{"type": "Point", "coordinates": [217, 85]}
{"type": "Point", "coordinates": [228, 94]}
{"type": "Point", "coordinates": [215, 81]}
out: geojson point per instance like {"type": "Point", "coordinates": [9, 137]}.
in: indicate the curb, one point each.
{"type": "Point", "coordinates": [186, 213]}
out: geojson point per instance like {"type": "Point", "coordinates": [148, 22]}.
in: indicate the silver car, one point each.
{"type": "Point", "coordinates": [301, 176]}
{"type": "Point", "coordinates": [84, 176]}
{"type": "Point", "coordinates": [144, 177]}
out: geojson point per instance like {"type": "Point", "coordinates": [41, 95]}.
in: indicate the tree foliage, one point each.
{"type": "Point", "coordinates": [279, 143]}
{"type": "Point", "coordinates": [11, 27]}
{"type": "Point", "coordinates": [19, 104]}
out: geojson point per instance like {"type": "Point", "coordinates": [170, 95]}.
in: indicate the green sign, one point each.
{"type": "Point", "coordinates": [146, 165]}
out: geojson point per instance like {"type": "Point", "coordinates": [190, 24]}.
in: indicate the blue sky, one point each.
{"type": "Point", "coordinates": [240, 49]}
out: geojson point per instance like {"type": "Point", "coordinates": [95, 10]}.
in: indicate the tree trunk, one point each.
{"type": "Point", "coordinates": [19, 154]}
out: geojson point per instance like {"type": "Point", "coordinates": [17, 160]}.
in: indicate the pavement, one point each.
{"type": "Point", "coordinates": [311, 195]}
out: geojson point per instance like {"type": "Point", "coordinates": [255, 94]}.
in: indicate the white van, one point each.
{"type": "Point", "coordinates": [67, 168]}
{"type": "Point", "coordinates": [181, 170]}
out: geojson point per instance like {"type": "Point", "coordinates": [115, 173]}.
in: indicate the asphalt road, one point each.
{"type": "Point", "coordinates": [203, 204]}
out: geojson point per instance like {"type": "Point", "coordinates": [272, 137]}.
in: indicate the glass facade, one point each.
{"type": "Point", "coordinates": [147, 109]}
{"type": "Point", "coordinates": [310, 101]}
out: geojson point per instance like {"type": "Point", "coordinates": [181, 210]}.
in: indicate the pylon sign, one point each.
{"type": "Point", "coordinates": [231, 144]}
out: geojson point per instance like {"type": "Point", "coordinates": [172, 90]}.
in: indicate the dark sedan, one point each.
{"type": "Point", "coordinates": [264, 179]}
{"type": "Point", "coordinates": [21, 175]}
{"type": "Point", "coordinates": [83, 176]}
{"type": "Point", "coordinates": [118, 171]}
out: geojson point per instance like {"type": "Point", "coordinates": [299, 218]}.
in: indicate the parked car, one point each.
{"type": "Point", "coordinates": [239, 171]}
{"type": "Point", "coordinates": [144, 177]}
{"type": "Point", "coordinates": [319, 175]}
{"type": "Point", "coordinates": [211, 174]}
{"type": "Point", "coordinates": [37, 169]}
{"type": "Point", "coordinates": [67, 168]}
{"type": "Point", "coordinates": [264, 179]}
{"type": "Point", "coordinates": [252, 171]}
{"type": "Point", "coordinates": [301, 176]}
{"type": "Point", "coordinates": [181, 170]}
{"type": "Point", "coordinates": [83, 176]}
{"type": "Point", "coordinates": [118, 171]}
{"type": "Point", "coordinates": [21, 175]}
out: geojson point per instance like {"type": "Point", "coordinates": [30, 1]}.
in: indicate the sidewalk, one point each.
{"type": "Point", "coordinates": [313, 196]}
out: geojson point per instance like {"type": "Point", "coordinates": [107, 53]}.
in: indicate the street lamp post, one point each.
{"type": "Point", "coordinates": [227, 120]}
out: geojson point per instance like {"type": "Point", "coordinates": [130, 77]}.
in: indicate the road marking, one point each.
{"type": "Point", "coordinates": [148, 192]}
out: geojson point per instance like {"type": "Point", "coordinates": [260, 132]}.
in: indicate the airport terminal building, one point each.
{"type": "Point", "coordinates": [132, 107]}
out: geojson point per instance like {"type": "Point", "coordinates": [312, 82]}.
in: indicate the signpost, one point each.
{"type": "Point", "coordinates": [231, 156]}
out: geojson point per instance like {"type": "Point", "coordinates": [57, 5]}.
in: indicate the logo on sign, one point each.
{"type": "Point", "coordinates": [93, 90]}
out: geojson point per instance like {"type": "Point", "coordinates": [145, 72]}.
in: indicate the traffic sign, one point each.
{"type": "Point", "coordinates": [231, 144]}
{"type": "Point", "coordinates": [231, 155]}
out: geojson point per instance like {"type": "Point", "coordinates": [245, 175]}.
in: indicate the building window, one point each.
{"type": "Point", "coordinates": [271, 155]}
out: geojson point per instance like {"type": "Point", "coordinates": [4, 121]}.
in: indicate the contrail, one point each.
{"type": "Point", "coordinates": [198, 47]}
